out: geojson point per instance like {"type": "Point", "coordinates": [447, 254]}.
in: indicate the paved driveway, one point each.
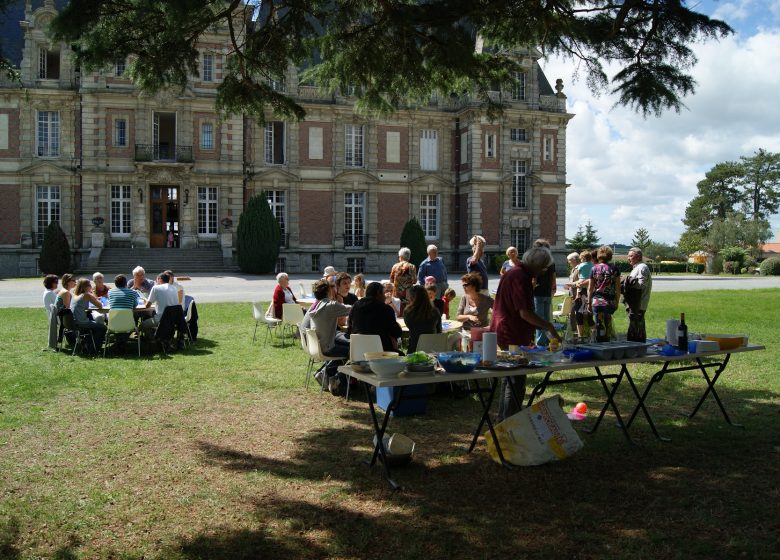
{"type": "Point", "coordinates": [208, 288]}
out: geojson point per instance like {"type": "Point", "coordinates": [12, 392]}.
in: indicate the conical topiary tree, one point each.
{"type": "Point", "coordinates": [55, 251]}
{"type": "Point", "coordinates": [258, 237]}
{"type": "Point", "coordinates": [413, 237]}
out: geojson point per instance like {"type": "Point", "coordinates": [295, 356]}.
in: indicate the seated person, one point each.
{"type": "Point", "coordinates": [446, 298]}
{"type": "Point", "coordinates": [79, 305]}
{"type": "Point", "coordinates": [420, 316]}
{"type": "Point", "coordinates": [101, 290]}
{"type": "Point", "coordinates": [120, 296]}
{"type": "Point", "coordinates": [175, 284]}
{"type": "Point", "coordinates": [140, 282]}
{"type": "Point", "coordinates": [475, 305]}
{"type": "Point", "coordinates": [50, 282]}
{"type": "Point", "coordinates": [323, 318]}
{"type": "Point", "coordinates": [343, 285]}
{"type": "Point", "coordinates": [162, 295]}
{"type": "Point", "coordinates": [282, 294]}
{"type": "Point", "coordinates": [370, 315]}
{"type": "Point", "coordinates": [390, 299]}
{"type": "Point", "coordinates": [62, 302]}
{"type": "Point", "coordinates": [436, 302]}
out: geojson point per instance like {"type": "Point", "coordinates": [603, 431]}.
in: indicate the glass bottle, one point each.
{"type": "Point", "coordinates": [682, 334]}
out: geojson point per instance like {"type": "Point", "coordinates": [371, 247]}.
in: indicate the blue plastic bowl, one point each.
{"type": "Point", "coordinates": [459, 362]}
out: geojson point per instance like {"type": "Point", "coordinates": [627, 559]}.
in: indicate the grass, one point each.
{"type": "Point", "coordinates": [219, 452]}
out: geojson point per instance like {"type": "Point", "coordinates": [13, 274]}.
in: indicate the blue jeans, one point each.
{"type": "Point", "coordinates": [543, 308]}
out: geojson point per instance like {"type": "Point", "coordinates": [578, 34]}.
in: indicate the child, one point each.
{"type": "Point", "coordinates": [449, 295]}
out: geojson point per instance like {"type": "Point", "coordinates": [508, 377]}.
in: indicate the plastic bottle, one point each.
{"type": "Point", "coordinates": [682, 334]}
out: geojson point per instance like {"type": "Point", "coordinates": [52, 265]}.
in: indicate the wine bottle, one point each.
{"type": "Point", "coordinates": [682, 334]}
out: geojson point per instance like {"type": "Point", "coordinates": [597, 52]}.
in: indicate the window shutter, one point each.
{"type": "Point", "coordinates": [393, 151]}
{"type": "Point", "coordinates": [315, 142]}
{"type": "Point", "coordinates": [3, 131]}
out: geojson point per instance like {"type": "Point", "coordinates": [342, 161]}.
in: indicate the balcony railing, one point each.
{"type": "Point", "coordinates": [163, 152]}
{"type": "Point", "coordinates": [353, 241]}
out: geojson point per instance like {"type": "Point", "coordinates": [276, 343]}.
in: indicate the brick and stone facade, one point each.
{"type": "Point", "coordinates": [342, 184]}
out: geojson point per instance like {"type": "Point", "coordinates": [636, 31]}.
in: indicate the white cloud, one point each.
{"type": "Point", "coordinates": [628, 172]}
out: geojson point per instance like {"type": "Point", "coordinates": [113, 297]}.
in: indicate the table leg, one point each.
{"type": "Point", "coordinates": [379, 432]}
{"type": "Point", "coordinates": [711, 389]}
{"type": "Point", "coordinates": [485, 419]}
{"type": "Point", "coordinates": [611, 401]}
{"type": "Point", "coordinates": [641, 402]}
{"type": "Point", "coordinates": [539, 389]}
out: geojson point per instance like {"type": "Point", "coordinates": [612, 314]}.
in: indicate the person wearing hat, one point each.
{"type": "Point", "coordinates": [329, 274]}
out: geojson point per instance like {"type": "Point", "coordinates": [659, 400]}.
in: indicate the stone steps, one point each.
{"type": "Point", "coordinates": [154, 261]}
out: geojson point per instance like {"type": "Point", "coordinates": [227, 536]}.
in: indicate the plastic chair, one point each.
{"type": "Point", "coordinates": [260, 317]}
{"type": "Point", "coordinates": [292, 316]}
{"type": "Point", "coordinates": [121, 321]}
{"type": "Point", "coordinates": [310, 363]}
{"type": "Point", "coordinates": [359, 344]}
{"type": "Point", "coordinates": [433, 342]}
{"type": "Point", "coordinates": [187, 319]}
{"type": "Point", "coordinates": [313, 342]}
{"type": "Point", "coordinates": [82, 335]}
{"type": "Point", "coordinates": [565, 310]}
{"type": "Point", "coordinates": [301, 289]}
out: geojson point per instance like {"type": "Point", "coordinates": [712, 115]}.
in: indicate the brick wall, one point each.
{"type": "Point", "coordinates": [382, 147]}
{"type": "Point", "coordinates": [197, 151]}
{"type": "Point", "coordinates": [10, 226]}
{"type": "Point", "coordinates": [548, 218]}
{"type": "Point", "coordinates": [393, 212]}
{"type": "Point", "coordinates": [111, 116]}
{"type": "Point", "coordinates": [490, 213]}
{"type": "Point", "coordinates": [316, 218]}
{"type": "Point", "coordinates": [327, 144]}
{"type": "Point", "coordinates": [495, 161]}
{"type": "Point", "coordinates": [14, 135]}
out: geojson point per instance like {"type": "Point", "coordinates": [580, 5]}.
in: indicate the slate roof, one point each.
{"type": "Point", "coordinates": [11, 35]}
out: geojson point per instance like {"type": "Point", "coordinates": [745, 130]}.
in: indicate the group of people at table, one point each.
{"type": "Point", "coordinates": [88, 299]}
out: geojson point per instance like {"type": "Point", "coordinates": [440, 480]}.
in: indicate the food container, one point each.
{"type": "Point", "coordinates": [459, 362]}
{"type": "Point", "coordinates": [361, 367]}
{"type": "Point", "coordinates": [727, 341]}
{"type": "Point", "coordinates": [380, 355]}
{"type": "Point", "coordinates": [419, 368]}
{"type": "Point", "coordinates": [387, 366]}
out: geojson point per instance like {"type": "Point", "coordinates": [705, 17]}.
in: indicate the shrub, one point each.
{"type": "Point", "coordinates": [55, 252]}
{"type": "Point", "coordinates": [257, 237]}
{"type": "Point", "coordinates": [499, 261]}
{"type": "Point", "coordinates": [770, 267]}
{"type": "Point", "coordinates": [413, 237]}
{"type": "Point", "coordinates": [731, 267]}
{"type": "Point", "coordinates": [717, 264]}
{"type": "Point", "coordinates": [733, 254]}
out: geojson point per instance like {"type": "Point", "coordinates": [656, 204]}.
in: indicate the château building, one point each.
{"type": "Point", "coordinates": [119, 169]}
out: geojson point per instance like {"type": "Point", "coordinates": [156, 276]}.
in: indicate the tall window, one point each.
{"type": "Point", "coordinates": [207, 210]}
{"type": "Point", "coordinates": [48, 133]}
{"type": "Point", "coordinates": [548, 148]}
{"type": "Point", "coordinates": [519, 238]}
{"type": "Point", "coordinates": [354, 223]}
{"type": "Point", "coordinates": [490, 145]}
{"type": "Point", "coordinates": [121, 202]}
{"type": "Point", "coordinates": [353, 145]}
{"type": "Point", "coordinates": [47, 207]}
{"type": "Point", "coordinates": [517, 91]}
{"type": "Point", "coordinates": [207, 136]}
{"type": "Point", "coordinates": [519, 184]}
{"type": "Point", "coordinates": [120, 67]}
{"type": "Point", "coordinates": [120, 133]}
{"type": "Point", "coordinates": [276, 201]}
{"type": "Point", "coordinates": [429, 215]}
{"type": "Point", "coordinates": [274, 143]}
{"type": "Point", "coordinates": [208, 67]}
{"type": "Point", "coordinates": [315, 262]}
{"type": "Point", "coordinates": [465, 146]}
{"type": "Point", "coordinates": [429, 150]}
{"type": "Point", "coordinates": [518, 135]}
{"type": "Point", "coordinates": [48, 64]}
{"type": "Point", "coordinates": [356, 264]}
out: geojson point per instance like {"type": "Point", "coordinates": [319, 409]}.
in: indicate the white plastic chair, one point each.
{"type": "Point", "coordinates": [317, 357]}
{"type": "Point", "coordinates": [565, 310]}
{"type": "Point", "coordinates": [359, 344]}
{"type": "Point", "coordinates": [187, 318]}
{"type": "Point", "coordinates": [301, 289]}
{"type": "Point", "coordinates": [260, 317]}
{"type": "Point", "coordinates": [433, 342]}
{"type": "Point", "coordinates": [310, 363]}
{"type": "Point", "coordinates": [292, 316]}
{"type": "Point", "coordinates": [121, 321]}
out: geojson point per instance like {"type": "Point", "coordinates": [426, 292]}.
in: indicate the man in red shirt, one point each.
{"type": "Point", "coordinates": [514, 319]}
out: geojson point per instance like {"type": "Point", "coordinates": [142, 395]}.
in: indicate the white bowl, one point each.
{"type": "Point", "coordinates": [387, 367]}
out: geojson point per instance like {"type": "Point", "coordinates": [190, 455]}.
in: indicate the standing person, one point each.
{"type": "Point", "coordinates": [543, 294]}
{"type": "Point", "coordinates": [79, 305]}
{"type": "Point", "coordinates": [474, 262]}
{"type": "Point", "coordinates": [50, 282]}
{"type": "Point", "coordinates": [62, 302]}
{"type": "Point", "coordinates": [433, 266]}
{"type": "Point", "coordinates": [420, 316]}
{"type": "Point", "coordinates": [370, 315]}
{"type": "Point", "coordinates": [514, 318]}
{"type": "Point", "coordinates": [449, 295]}
{"type": "Point", "coordinates": [636, 294]}
{"type": "Point", "coordinates": [573, 260]}
{"type": "Point", "coordinates": [512, 260]}
{"type": "Point", "coordinates": [604, 289]}
{"type": "Point", "coordinates": [403, 276]}
{"type": "Point", "coordinates": [581, 313]}
{"type": "Point", "coordinates": [101, 290]}
{"type": "Point", "coordinates": [140, 282]}
{"type": "Point", "coordinates": [282, 294]}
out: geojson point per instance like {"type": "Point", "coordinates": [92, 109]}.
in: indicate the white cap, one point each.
{"type": "Point", "coordinates": [329, 271]}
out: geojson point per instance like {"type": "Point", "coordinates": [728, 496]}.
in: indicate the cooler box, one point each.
{"type": "Point", "coordinates": [415, 399]}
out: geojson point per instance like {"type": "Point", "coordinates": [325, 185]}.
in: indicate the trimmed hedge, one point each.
{"type": "Point", "coordinates": [770, 267]}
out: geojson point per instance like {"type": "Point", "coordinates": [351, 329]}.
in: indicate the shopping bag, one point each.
{"type": "Point", "coordinates": [535, 435]}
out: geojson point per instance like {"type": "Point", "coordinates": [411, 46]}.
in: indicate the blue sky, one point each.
{"type": "Point", "coordinates": [628, 172]}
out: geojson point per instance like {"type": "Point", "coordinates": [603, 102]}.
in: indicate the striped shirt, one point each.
{"type": "Point", "coordinates": [121, 298]}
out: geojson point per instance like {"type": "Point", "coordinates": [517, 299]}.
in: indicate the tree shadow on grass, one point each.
{"type": "Point", "coordinates": [695, 497]}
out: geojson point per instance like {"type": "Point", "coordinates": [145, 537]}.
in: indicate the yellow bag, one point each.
{"type": "Point", "coordinates": [535, 435]}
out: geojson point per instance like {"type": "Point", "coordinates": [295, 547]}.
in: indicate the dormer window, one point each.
{"type": "Point", "coordinates": [48, 64]}
{"type": "Point", "coordinates": [120, 67]}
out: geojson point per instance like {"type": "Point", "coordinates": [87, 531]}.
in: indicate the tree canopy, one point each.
{"type": "Point", "coordinates": [641, 239]}
{"type": "Point", "coordinates": [393, 51]}
{"type": "Point", "coordinates": [585, 238]}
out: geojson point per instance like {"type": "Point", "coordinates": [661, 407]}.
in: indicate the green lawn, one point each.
{"type": "Point", "coordinates": [219, 452]}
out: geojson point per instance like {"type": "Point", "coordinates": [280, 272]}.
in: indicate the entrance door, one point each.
{"type": "Point", "coordinates": [165, 216]}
